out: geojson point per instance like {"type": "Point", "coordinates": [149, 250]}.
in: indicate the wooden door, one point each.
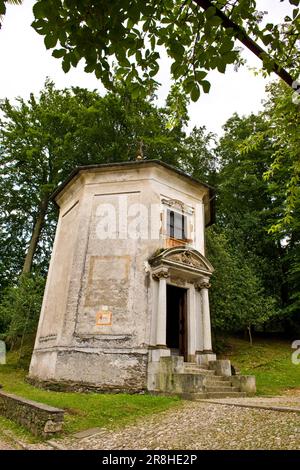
{"type": "Point", "coordinates": [183, 346]}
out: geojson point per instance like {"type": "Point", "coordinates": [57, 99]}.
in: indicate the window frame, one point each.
{"type": "Point", "coordinates": [172, 227]}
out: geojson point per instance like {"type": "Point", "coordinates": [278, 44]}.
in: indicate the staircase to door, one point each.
{"type": "Point", "coordinates": [190, 380]}
{"type": "Point", "coordinates": [211, 385]}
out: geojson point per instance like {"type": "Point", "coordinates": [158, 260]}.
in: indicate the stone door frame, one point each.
{"type": "Point", "coordinates": [181, 267]}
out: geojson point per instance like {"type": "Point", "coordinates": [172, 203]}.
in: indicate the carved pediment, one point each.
{"type": "Point", "coordinates": [186, 257]}
{"type": "Point", "coordinates": [182, 256]}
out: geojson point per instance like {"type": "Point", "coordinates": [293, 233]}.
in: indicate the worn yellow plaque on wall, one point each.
{"type": "Point", "coordinates": [104, 317]}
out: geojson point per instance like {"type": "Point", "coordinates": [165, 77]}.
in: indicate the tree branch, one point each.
{"type": "Point", "coordinates": [245, 39]}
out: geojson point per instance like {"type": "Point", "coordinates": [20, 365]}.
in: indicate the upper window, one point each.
{"type": "Point", "coordinates": [176, 225]}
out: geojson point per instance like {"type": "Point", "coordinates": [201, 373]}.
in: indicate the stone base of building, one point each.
{"type": "Point", "coordinates": [154, 371]}
{"type": "Point", "coordinates": [204, 358]}
{"type": "Point", "coordinates": [83, 370]}
{"type": "Point", "coordinates": [80, 387]}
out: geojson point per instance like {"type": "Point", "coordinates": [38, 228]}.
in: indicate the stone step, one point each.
{"type": "Point", "coordinates": [199, 371]}
{"type": "Point", "coordinates": [218, 380]}
{"type": "Point", "coordinates": [217, 383]}
{"type": "Point", "coordinates": [217, 388]}
{"type": "Point", "coordinates": [206, 395]}
{"type": "Point", "coordinates": [195, 365]}
{"type": "Point", "coordinates": [187, 383]}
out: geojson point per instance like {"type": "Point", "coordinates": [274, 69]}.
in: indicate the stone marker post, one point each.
{"type": "Point", "coordinates": [2, 352]}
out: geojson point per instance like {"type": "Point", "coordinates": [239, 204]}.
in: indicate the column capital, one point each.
{"type": "Point", "coordinates": [204, 284]}
{"type": "Point", "coordinates": [162, 273]}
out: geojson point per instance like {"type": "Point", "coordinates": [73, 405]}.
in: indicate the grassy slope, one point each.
{"type": "Point", "coordinates": [86, 410]}
{"type": "Point", "coordinates": [270, 361]}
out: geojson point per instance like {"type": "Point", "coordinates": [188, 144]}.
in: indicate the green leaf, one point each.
{"type": "Point", "coordinates": [205, 85]}
{"type": "Point", "coordinates": [226, 45]}
{"type": "Point", "coordinates": [211, 11]}
{"type": "Point", "coordinates": [214, 21]}
{"type": "Point", "coordinates": [229, 57]}
{"type": "Point", "coordinates": [177, 49]}
{"type": "Point", "coordinates": [267, 39]}
{"type": "Point", "coordinates": [130, 23]}
{"type": "Point", "coordinates": [50, 41]}
{"type": "Point", "coordinates": [66, 64]}
{"type": "Point", "coordinates": [154, 70]}
{"type": "Point", "coordinates": [38, 10]}
{"type": "Point", "coordinates": [58, 53]}
{"type": "Point", "coordinates": [98, 71]}
{"type": "Point", "coordinates": [221, 67]}
{"type": "Point", "coordinates": [174, 68]}
{"type": "Point", "coordinates": [188, 84]}
{"type": "Point", "coordinates": [195, 93]}
{"type": "Point", "coordinates": [135, 91]}
{"type": "Point", "coordinates": [269, 26]}
{"type": "Point", "coordinates": [200, 74]}
{"type": "Point", "coordinates": [89, 68]}
{"type": "Point", "coordinates": [2, 8]}
{"type": "Point", "coordinates": [153, 42]}
{"type": "Point", "coordinates": [134, 13]}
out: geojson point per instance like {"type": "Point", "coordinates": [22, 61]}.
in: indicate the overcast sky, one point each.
{"type": "Point", "coordinates": [25, 64]}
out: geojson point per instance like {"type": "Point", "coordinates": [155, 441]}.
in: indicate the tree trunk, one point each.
{"type": "Point", "coordinates": [38, 225]}
{"type": "Point", "coordinates": [250, 335]}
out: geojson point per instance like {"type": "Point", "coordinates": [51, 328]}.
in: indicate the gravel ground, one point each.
{"type": "Point", "coordinates": [201, 425]}
{"type": "Point", "coordinates": [283, 401]}
{"type": "Point", "coordinates": [5, 446]}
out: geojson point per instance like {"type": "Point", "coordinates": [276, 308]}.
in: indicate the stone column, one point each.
{"type": "Point", "coordinates": [155, 285]}
{"type": "Point", "coordinates": [207, 354]}
{"type": "Point", "coordinates": [207, 346]}
{"type": "Point", "coordinates": [199, 320]}
{"type": "Point", "coordinates": [161, 315]}
{"type": "Point", "coordinates": [191, 324]}
{"type": "Point", "coordinates": [161, 323]}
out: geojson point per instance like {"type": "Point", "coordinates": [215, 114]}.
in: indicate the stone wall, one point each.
{"type": "Point", "coordinates": [41, 420]}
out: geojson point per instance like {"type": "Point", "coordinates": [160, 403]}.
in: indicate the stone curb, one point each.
{"type": "Point", "coordinates": [261, 407]}
{"type": "Point", "coordinates": [55, 446]}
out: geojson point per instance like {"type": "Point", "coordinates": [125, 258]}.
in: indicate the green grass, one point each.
{"type": "Point", "coordinates": [270, 361]}
{"type": "Point", "coordinates": [9, 428]}
{"type": "Point", "coordinates": [84, 410]}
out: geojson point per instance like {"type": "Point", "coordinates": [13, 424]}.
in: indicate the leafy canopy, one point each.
{"type": "Point", "coordinates": [197, 35]}
{"type": "Point", "coordinates": [41, 141]}
{"type": "Point", "coordinates": [282, 117]}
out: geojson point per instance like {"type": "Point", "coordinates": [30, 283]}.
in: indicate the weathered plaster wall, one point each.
{"type": "Point", "coordinates": [89, 275]}
{"type": "Point", "coordinates": [57, 295]}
